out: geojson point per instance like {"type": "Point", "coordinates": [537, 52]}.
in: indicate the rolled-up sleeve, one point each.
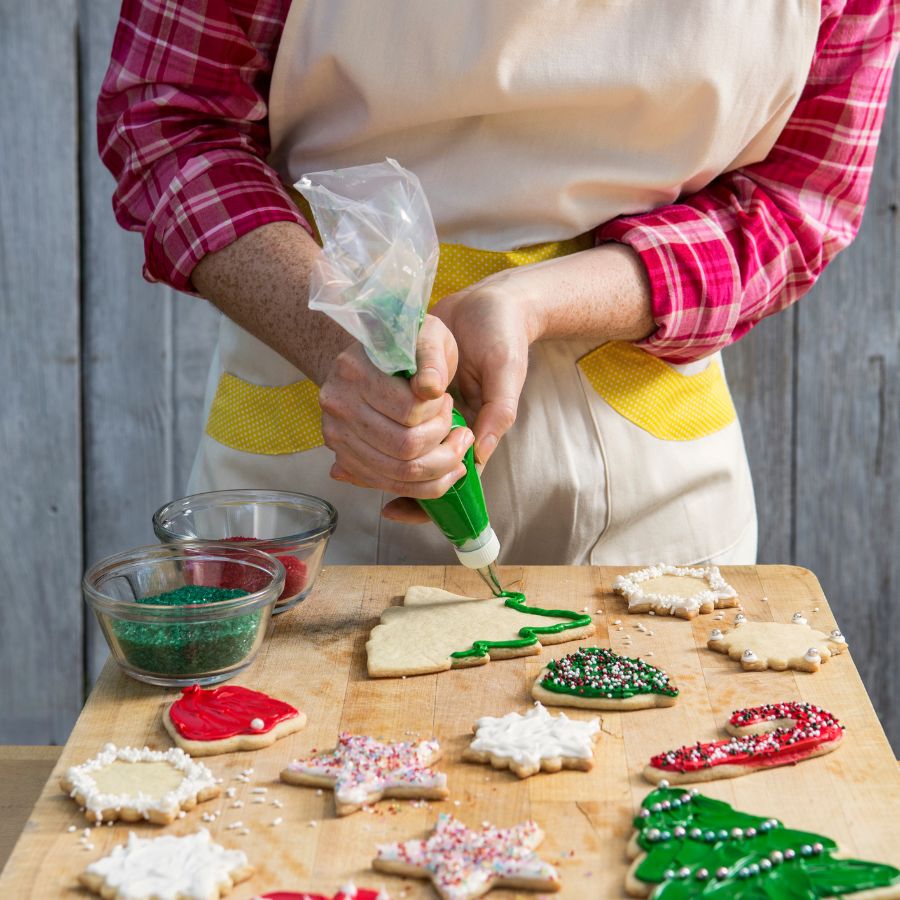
{"type": "Point", "coordinates": [755, 239]}
{"type": "Point", "coordinates": [182, 126]}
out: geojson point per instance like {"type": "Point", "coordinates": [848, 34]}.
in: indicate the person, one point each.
{"type": "Point", "coordinates": [621, 191]}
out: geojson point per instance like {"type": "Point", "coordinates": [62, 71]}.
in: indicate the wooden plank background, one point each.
{"type": "Point", "coordinates": [105, 377]}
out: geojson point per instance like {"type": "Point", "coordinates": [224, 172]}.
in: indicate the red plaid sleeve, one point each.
{"type": "Point", "coordinates": [755, 239]}
{"type": "Point", "coordinates": [181, 123]}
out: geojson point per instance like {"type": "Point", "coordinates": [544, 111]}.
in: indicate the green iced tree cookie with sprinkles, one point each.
{"type": "Point", "coordinates": [597, 678]}
{"type": "Point", "coordinates": [687, 845]}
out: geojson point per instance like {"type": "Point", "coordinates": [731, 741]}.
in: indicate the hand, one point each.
{"type": "Point", "coordinates": [392, 434]}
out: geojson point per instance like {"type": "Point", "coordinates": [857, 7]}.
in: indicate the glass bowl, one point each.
{"type": "Point", "coordinates": [184, 613]}
{"type": "Point", "coordinates": [294, 528]}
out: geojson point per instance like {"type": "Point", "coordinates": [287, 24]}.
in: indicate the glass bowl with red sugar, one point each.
{"type": "Point", "coordinates": [294, 528]}
{"type": "Point", "coordinates": [186, 612]}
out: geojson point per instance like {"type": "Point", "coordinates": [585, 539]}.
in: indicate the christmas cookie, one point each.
{"type": "Point", "coordinates": [687, 845]}
{"type": "Point", "coordinates": [361, 770]}
{"type": "Point", "coordinates": [777, 734]}
{"type": "Point", "coordinates": [597, 678]}
{"type": "Point", "coordinates": [187, 868]}
{"type": "Point", "coordinates": [534, 742]}
{"type": "Point", "coordinates": [435, 630]}
{"type": "Point", "coordinates": [777, 645]}
{"type": "Point", "coordinates": [348, 892]}
{"type": "Point", "coordinates": [132, 784]}
{"type": "Point", "coordinates": [463, 863]}
{"type": "Point", "coordinates": [228, 718]}
{"type": "Point", "coordinates": [676, 591]}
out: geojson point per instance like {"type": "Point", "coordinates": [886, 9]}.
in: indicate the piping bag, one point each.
{"type": "Point", "coordinates": [374, 278]}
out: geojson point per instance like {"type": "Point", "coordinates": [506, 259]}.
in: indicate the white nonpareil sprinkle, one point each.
{"type": "Point", "coordinates": [258, 800]}
{"type": "Point", "coordinates": [259, 790]}
{"type": "Point", "coordinates": [230, 792]}
{"type": "Point", "coordinates": [277, 803]}
{"type": "Point", "coordinates": [313, 823]}
{"type": "Point", "coordinates": [277, 821]}
{"type": "Point", "coordinates": [233, 825]}
{"type": "Point", "coordinates": [238, 804]}
{"type": "Point", "coordinates": [71, 828]}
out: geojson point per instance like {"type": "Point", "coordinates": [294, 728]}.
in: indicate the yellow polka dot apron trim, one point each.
{"type": "Point", "coordinates": [271, 421]}
{"type": "Point", "coordinates": [267, 420]}
{"type": "Point", "coordinates": [666, 403]}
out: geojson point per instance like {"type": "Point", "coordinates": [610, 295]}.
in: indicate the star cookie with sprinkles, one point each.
{"type": "Point", "coordinates": [763, 737]}
{"type": "Point", "coordinates": [534, 742]}
{"type": "Point", "coordinates": [463, 863]}
{"type": "Point", "coordinates": [362, 771]}
{"type": "Point", "coordinates": [229, 718]}
{"type": "Point", "coordinates": [597, 678]}
{"type": "Point", "coordinates": [777, 645]}
{"type": "Point", "coordinates": [676, 591]}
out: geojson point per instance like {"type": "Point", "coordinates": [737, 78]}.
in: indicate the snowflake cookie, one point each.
{"type": "Point", "coordinates": [777, 645]}
{"type": "Point", "coordinates": [133, 784]}
{"type": "Point", "coordinates": [534, 742]}
{"type": "Point", "coordinates": [192, 867]}
{"type": "Point", "coordinates": [464, 863]}
{"type": "Point", "coordinates": [228, 718]}
{"type": "Point", "coordinates": [597, 678]}
{"type": "Point", "coordinates": [777, 734]}
{"type": "Point", "coordinates": [361, 771]}
{"type": "Point", "coordinates": [675, 590]}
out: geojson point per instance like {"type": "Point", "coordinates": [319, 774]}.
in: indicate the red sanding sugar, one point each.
{"type": "Point", "coordinates": [295, 573]}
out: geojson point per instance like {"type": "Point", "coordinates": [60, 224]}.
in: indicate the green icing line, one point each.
{"type": "Point", "coordinates": [598, 672]}
{"type": "Point", "coordinates": [707, 859]}
{"type": "Point", "coordinates": [529, 634]}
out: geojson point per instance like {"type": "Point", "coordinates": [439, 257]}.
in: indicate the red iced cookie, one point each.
{"type": "Point", "coordinates": [343, 894]}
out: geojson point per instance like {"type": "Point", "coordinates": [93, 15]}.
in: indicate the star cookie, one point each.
{"type": "Point", "coordinates": [228, 718]}
{"type": "Point", "coordinates": [763, 737]}
{"type": "Point", "coordinates": [675, 591]}
{"type": "Point", "coordinates": [361, 770]}
{"type": "Point", "coordinates": [597, 678]}
{"type": "Point", "coordinates": [189, 868]}
{"type": "Point", "coordinates": [435, 630]}
{"type": "Point", "coordinates": [534, 742]}
{"type": "Point", "coordinates": [463, 863]}
{"type": "Point", "coordinates": [777, 645]}
{"type": "Point", "coordinates": [133, 784]}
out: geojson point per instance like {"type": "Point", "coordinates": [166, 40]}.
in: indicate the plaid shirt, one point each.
{"type": "Point", "coordinates": [182, 126]}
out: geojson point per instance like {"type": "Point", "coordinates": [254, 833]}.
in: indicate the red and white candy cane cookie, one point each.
{"type": "Point", "coordinates": [777, 734]}
{"type": "Point", "coordinates": [229, 718]}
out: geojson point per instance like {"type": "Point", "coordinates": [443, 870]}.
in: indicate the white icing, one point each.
{"type": "Point", "coordinates": [537, 735]}
{"type": "Point", "coordinates": [257, 724]}
{"type": "Point", "coordinates": [716, 634]}
{"type": "Point", "coordinates": [812, 655]}
{"type": "Point", "coordinates": [361, 768]}
{"type": "Point", "coordinates": [168, 868]}
{"type": "Point", "coordinates": [837, 637]}
{"type": "Point", "coordinates": [196, 777]}
{"type": "Point", "coordinates": [630, 586]}
{"type": "Point", "coordinates": [799, 619]}
{"type": "Point", "coordinates": [739, 619]}
{"type": "Point", "coordinates": [749, 656]}
{"type": "Point", "coordinates": [464, 863]}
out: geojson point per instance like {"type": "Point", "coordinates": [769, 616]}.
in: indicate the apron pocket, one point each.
{"type": "Point", "coordinates": [271, 421]}
{"type": "Point", "coordinates": [664, 402]}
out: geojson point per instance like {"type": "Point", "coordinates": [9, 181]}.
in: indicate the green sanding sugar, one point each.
{"type": "Point", "coordinates": [189, 648]}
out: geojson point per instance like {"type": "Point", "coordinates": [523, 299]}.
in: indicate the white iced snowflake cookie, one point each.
{"type": "Point", "coordinates": [777, 645]}
{"type": "Point", "coordinates": [465, 863]}
{"type": "Point", "coordinates": [533, 742]}
{"type": "Point", "coordinates": [132, 784]}
{"type": "Point", "coordinates": [192, 867]}
{"type": "Point", "coordinates": [676, 591]}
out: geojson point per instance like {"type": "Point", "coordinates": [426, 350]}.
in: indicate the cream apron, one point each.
{"type": "Point", "coordinates": [529, 122]}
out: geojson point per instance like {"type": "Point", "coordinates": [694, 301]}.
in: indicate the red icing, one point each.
{"type": "Point", "coordinates": [295, 573]}
{"type": "Point", "coordinates": [361, 894]}
{"type": "Point", "coordinates": [812, 727]}
{"type": "Point", "coordinates": [225, 712]}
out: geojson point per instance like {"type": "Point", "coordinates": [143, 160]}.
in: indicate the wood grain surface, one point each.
{"type": "Point", "coordinates": [316, 658]}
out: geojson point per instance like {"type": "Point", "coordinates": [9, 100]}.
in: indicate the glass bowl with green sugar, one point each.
{"type": "Point", "coordinates": [184, 613]}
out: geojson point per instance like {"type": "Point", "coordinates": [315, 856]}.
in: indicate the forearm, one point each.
{"type": "Point", "coordinates": [261, 282]}
{"type": "Point", "coordinates": [599, 294]}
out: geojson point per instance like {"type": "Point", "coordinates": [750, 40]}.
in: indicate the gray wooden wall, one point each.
{"type": "Point", "coordinates": [103, 379]}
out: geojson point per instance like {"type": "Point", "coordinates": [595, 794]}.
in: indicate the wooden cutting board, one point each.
{"type": "Point", "coordinates": [315, 658]}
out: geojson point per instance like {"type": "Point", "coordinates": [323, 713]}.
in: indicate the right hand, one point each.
{"type": "Point", "coordinates": [392, 434]}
